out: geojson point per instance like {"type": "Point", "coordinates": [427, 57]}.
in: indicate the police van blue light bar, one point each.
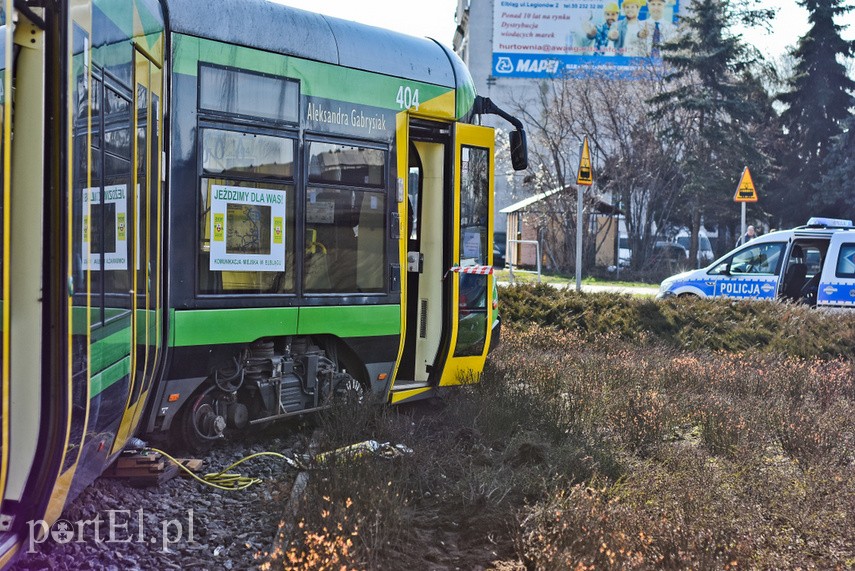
{"type": "Point", "coordinates": [829, 222]}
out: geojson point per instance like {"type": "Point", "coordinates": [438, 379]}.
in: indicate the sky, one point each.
{"type": "Point", "coordinates": [435, 19]}
{"type": "Point", "coordinates": [422, 18]}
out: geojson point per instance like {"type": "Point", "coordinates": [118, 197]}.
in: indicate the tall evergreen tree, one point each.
{"type": "Point", "coordinates": [820, 96]}
{"type": "Point", "coordinates": [709, 81]}
{"type": "Point", "coordinates": [838, 174]}
{"type": "Point", "coordinates": [819, 102]}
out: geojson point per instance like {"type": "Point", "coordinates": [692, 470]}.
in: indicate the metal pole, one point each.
{"type": "Point", "coordinates": [578, 237]}
{"type": "Point", "coordinates": [617, 247]}
{"type": "Point", "coordinates": [743, 222]}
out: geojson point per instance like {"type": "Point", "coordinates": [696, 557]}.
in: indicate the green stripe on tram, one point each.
{"type": "Point", "coordinates": [102, 381]}
{"type": "Point", "coordinates": [317, 79]}
{"type": "Point", "coordinates": [351, 321]}
{"type": "Point", "coordinates": [220, 326]}
{"type": "Point", "coordinates": [108, 350]}
{"type": "Point", "coordinates": [217, 326]}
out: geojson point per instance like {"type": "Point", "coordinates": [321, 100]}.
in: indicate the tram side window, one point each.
{"type": "Point", "coordinates": [474, 219]}
{"type": "Point", "coordinates": [345, 227]}
{"type": "Point", "coordinates": [247, 236]}
{"type": "Point", "coordinates": [114, 211]}
{"type": "Point", "coordinates": [239, 92]}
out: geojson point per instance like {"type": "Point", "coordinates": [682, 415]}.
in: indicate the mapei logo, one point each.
{"type": "Point", "coordinates": [504, 65]}
{"type": "Point", "coordinates": [537, 65]}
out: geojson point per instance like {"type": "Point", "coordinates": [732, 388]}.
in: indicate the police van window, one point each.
{"type": "Point", "coordinates": [759, 259]}
{"type": "Point", "coordinates": [846, 262]}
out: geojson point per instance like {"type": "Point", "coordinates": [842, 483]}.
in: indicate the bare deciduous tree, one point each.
{"type": "Point", "coordinates": [635, 165]}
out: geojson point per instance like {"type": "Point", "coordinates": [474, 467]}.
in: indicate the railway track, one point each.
{"type": "Point", "coordinates": [179, 524]}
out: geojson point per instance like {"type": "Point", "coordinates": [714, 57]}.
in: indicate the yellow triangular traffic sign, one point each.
{"type": "Point", "coordinates": [585, 174]}
{"type": "Point", "coordinates": [745, 191]}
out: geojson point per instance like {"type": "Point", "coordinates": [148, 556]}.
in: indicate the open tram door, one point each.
{"type": "Point", "coordinates": [469, 275]}
{"type": "Point", "coordinates": [34, 379]}
{"type": "Point", "coordinates": [448, 290]}
{"type": "Point", "coordinates": [5, 269]}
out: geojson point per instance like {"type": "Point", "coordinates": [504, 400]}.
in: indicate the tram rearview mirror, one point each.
{"type": "Point", "coordinates": [519, 150]}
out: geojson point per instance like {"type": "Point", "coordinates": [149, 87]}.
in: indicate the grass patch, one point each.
{"type": "Point", "coordinates": [530, 277]}
{"type": "Point", "coordinates": [607, 435]}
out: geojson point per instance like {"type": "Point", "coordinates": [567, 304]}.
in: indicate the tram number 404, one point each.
{"type": "Point", "coordinates": [407, 98]}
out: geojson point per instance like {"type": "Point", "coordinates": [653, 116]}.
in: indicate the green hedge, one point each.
{"type": "Point", "coordinates": [688, 323]}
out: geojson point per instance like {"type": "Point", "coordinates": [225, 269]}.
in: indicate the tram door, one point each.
{"type": "Point", "coordinates": [449, 225]}
{"type": "Point", "coordinates": [144, 227]}
{"type": "Point", "coordinates": [5, 154]}
{"type": "Point", "coordinates": [33, 364]}
{"type": "Point", "coordinates": [471, 311]}
{"type": "Point", "coordinates": [426, 200]}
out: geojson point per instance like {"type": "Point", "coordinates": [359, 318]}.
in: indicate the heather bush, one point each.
{"type": "Point", "coordinates": [611, 433]}
{"type": "Point", "coordinates": [686, 323]}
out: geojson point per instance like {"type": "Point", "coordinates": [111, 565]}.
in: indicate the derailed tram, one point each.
{"type": "Point", "coordinates": [217, 215]}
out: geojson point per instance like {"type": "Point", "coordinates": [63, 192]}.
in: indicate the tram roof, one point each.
{"type": "Point", "coordinates": [286, 30]}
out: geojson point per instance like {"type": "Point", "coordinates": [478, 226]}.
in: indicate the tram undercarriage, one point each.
{"type": "Point", "coordinates": [267, 381]}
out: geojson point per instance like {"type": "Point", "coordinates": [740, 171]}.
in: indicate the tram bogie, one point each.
{"type": "Point", "coordinates": [268, 380]}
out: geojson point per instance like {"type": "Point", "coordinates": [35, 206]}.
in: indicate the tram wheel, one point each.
{"type": "Point", "coordinates": [349, 391]}
{"type": "Point", "coordinates": [200, 425]}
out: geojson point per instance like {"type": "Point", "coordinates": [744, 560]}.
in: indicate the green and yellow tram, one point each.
{"type": "Point", "coordinates": [216, 215]}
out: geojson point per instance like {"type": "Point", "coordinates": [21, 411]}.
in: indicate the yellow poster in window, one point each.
{"type": "Point", "coordinates": [120, 226]}
{"type": "Point", "coordinates": [219, 226]}
{"type": "Point", "coordinates": [277, 229]}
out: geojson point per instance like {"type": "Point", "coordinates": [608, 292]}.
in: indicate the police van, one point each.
{"type": "Point", "coordinates": [812, 264]}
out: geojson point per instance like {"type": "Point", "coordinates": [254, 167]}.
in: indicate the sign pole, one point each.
{"type": "Point", "coordinates": [579, 237]}
{"type": "Point", "coordinates": [584, 177]}
{"type": "Point", "coordinates": [745, 192]}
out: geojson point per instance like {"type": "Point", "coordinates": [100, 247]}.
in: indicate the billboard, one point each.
{"type": "Point", "coordinates": [543, 39]}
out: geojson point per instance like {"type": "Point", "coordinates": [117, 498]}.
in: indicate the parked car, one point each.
{"type": "Point", "coordinates": [670, 252]}
{"type": "Point", "coordinates": [498, 255]}
{"type": "Point", "coordinates": [664, 253]}
{"type": "Point", "coordinates": [705, 251]}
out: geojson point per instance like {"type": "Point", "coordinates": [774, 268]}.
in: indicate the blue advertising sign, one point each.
{"type": "Point", "coordinates": [543, 39]}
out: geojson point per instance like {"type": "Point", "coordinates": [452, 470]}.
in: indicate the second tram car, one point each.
{"type": "Point", "coordinates": [215, 215]}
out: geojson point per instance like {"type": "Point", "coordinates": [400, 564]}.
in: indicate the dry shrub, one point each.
{"type": "Point", "coordinates": [629, 525]}
{"type": "Point", "coordinates": [732, 459]}
{"type": "Point", "coordinates": [685, 323]}
{"type": "Point", "coordinates": [327, 547]}
{"type": "Point", "coordinates": [612, 438]}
